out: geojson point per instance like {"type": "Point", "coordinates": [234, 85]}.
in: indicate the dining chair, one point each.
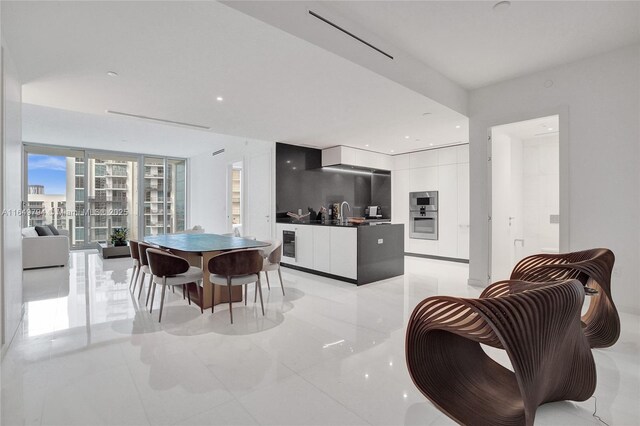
{"type": "Point", "coordinates": [170, 270]}
{"type": "Point", "coordinates": [135, 257]}
{"type": "Point", "coordinates": [272, 256]}
{"type": "Point", "coordinates": [240, 267]}
{"type": "Point", "coordinates": [144, 267]}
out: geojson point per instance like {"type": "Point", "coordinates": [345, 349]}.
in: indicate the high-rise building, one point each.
{"type": "Point", "coordinates": [45, 208]}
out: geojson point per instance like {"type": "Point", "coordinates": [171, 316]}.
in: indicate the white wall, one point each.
{"type": "Point", "coordinates": [598, 100]}
{"type": "Point", "coordinates": [445, 170]}
{"type": "Point", "coordinates": [12, 198]}
{"type": "Point", "coordinates": [208, 176]}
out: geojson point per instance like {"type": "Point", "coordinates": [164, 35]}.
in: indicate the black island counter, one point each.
{"type": "Point", "coordinates": [355, 253]}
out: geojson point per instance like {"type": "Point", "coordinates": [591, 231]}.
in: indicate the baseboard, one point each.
{"type": "Point", "coordinates": [321, 274]}
{"type": "Point", "coordinates": [428, 256]}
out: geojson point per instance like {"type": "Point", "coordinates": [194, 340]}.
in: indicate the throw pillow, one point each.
{"type": "Point", "coordinates": [54, 230]}
{"type": "Point", "coordinates": [43, 231]}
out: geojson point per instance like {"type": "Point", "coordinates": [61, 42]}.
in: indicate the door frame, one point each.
{"type": "Point", "coordinates": [563, 162]}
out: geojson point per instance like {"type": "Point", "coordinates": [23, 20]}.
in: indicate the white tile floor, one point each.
{"type": "Point", "coordinates": [326, 353]}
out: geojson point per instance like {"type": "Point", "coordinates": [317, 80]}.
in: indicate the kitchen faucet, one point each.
{"type": "Point", "coordinates": [344, 219]}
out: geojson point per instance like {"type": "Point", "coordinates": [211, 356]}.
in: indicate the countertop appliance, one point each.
{"type": "Point", "coordinates": [374, 212]}
{"type": "Point", "coordinates": [423, 215]}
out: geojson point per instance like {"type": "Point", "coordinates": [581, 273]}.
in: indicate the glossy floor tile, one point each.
{"type": "Point", "coordinates": [326, 353]}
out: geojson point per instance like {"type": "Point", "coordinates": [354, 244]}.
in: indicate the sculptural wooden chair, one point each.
{"type": "Point", "coordinates": [541, 333]}
{"type": "Point", "coordinates": [593, 269]}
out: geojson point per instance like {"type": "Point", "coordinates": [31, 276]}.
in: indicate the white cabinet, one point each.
{"type": "Point", "coordinates": [344, 252]}
{"type": "Point", "coordinates": [444, 170]}
{"type": "Point", "coordinates": [321, 248]}
{"type": "Point", "coordinates": [304, 244]}
{"type": "Point", "coordinates": [344, 155]}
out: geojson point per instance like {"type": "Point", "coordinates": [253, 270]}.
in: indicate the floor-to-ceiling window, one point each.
{"type": "Point", "coordinates": [90, 193]}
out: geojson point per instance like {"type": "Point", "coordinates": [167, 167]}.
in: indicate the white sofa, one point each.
{"type": "Point", "coordinates": [46, 251]}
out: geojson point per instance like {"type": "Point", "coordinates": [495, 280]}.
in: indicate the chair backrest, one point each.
{"type": "Point", "coordinates": [133, 249]}
{"type": "Point", "coordinates": [273, 253]}
{"type": "Point", "coordinates": [142, 250]}
{"type": "Point", "coordinates": [164, 264]}
{"type": "Point", "coordinates": [235, 263]}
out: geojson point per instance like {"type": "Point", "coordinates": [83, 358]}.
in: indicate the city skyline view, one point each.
{"type": "Point", "coordinates": [49, 171]}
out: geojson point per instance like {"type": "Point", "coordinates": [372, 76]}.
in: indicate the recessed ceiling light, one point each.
{"type": "Point", "coordinates": [112, 73]}
{"type": "Point", "coordinates": [501, 6]}
{"type": "Point", "coordinates": [550, 128]}
{"type": "Point", "coordinates": [219, 99]}
{"type": "Point", "coordinates": [366, 144]}
{"type": "Point", "coordinates": [288, 161]}
{"type": "Point", "coordinates": [294, 168]}
{"type": "Point", "coordinates": [430, 144]}
{"type": "Point", "coordinates": [457, 127]}
{"type": "Point", "coordinates": [406, 137]}
{"type": "Point", "coordinates": [392, 150]}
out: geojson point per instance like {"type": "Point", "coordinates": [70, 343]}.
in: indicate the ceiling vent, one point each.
{"type": "Point", "coordinates": [220, 151]}
{"type": "Point", "coordinates": [350, 34]}
{"type": "Point", "coordinates": [160, 120]}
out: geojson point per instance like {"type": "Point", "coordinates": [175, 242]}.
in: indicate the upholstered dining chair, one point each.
{"type": "Point", "coordinates": [135, 257]}
{"type": "Point", "coordinates": [170, 270]}
{"type": "Point", "coordinates": [272, 256]}
{"type": "Point", "coordinates": [593, 268]}
{"type": "Point", "coordinates": [239, 267]}
{"type": "Point", "coordinates": [144, 267]}
{"type": "Point", "coordinates": [540, 331]}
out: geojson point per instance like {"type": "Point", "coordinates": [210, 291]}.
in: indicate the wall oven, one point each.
{"type": "Point", "coordinates": [423, 215]}
{"type": "Point", "coordinates": [289, 244]}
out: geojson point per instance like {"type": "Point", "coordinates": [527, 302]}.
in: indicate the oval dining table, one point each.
{"type": "Point", "coordinates": [198, 249]}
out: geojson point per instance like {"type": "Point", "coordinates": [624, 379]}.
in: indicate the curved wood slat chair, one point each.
{"type": "Point", "coordinates": [540, 331]}
{"type": "Point", "coordinates": [593, 269]}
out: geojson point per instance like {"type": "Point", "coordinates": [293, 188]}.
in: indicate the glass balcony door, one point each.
{"type": "Point", "coordinates": [164, 191]}
{"type": "Point", "coordinates": [112, 195]}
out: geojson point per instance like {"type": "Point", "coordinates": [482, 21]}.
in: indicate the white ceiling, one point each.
{"type": "Point", "coordinates": [476, 46]}
{"type": "Point", "coordinates": [175, 58]}
{"type": "Point", "coordinates": [529, 129]}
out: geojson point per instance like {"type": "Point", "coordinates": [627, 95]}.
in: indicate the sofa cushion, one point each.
{"type": "Point", "coordinates": [43, 231]}
{"type": "Point", "coordinates": [53, 229]}
{"type": "Point", "coordinates": [29, 232]}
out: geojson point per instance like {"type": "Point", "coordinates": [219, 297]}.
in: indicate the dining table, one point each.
{"type": "Point", "coordinates": [198, 249]}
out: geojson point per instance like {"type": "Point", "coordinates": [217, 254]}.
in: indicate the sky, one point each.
{"type": "Point", "coordinates": [49, 171]}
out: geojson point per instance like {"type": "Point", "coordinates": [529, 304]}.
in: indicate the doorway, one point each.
{"type": "Point", "coordinates": [524, 171]}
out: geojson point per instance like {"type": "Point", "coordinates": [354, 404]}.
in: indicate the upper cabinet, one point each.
{"type": "Point", "coordinates": [344, 155]}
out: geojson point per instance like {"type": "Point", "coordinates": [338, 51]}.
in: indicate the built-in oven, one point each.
{"type": "Point", "coordinates": [423, 225]}
{"type": "Point", "coordinates": [289, 244]}
{"type": "Point", "coordinates": [423, 200]}
{"type": "Point", "coordinates": [423, 215]}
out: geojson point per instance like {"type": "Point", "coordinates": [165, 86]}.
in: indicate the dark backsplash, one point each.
{"type": "Point", "coordinates": [301, 183]}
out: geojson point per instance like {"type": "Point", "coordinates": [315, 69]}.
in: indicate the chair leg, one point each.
{"type": "Point", "coordinates": [135, 281]}
{"type": "Point", "coordinates": [164, 288]}
{"type": "Point", "coordinates": [280, 275]}
{"type": "Point", "coordinates": [186, 288]}
{"type": "Point", "coordinates": [230, 303]}
{"type": "Point", "coordinates": [213, 293]}
{"type": "Point", "coordinates": [255, 293]}
{"type": "Point", "coordinates": [133, 273]}
{"type": "Point", "coordinates": [153, 295]}
{"type": "Point", "coordinates": [148, 292]}
{"type": "Point", "coordinates": [245, 294]}
{"type": "Point", "coordinates": [260, 290]}
{"type": "Point", "coordinates": [200, 293]}
{"type": "Point", "coordinates": [268, 284]}
{"type": "Point", "coordinates": [141, 284]}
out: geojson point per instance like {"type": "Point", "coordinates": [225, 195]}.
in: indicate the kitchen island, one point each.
{"type": "Point", "coordinates": [358, 254]}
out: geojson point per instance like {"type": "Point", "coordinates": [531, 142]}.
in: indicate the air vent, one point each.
{"type": "Point", "coordinates": [338, 27]}
{"type": "Point", "coordinates": [220, 151]}
{"type": "Point", "coordinates": [159, 120]}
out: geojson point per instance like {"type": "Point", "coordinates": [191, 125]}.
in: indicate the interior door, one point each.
{"type": "Point", "coordinates": [259, 196]}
